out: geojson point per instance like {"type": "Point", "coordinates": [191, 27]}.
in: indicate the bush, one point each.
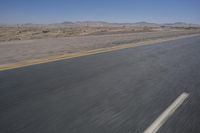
{"type": "Point", "coordinates": [45, 31]}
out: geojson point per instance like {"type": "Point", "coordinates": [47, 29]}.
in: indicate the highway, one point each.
{"type": "Point", "coordinates": [122, 91]}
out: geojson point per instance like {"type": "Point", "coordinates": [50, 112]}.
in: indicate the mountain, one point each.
{"type": "Point", "coordinates": [92, 23]}
{"type": "Point", "coordinates": [146, 24]}
{"type": "Point", "coordinates": [180, 24]}
{"type": "Point", "coordinates": [67, 22]}
{"type": "Point", "coordinates": [105, 24]}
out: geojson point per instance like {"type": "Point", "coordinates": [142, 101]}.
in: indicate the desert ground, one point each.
{"type": "Point", "coordinates": [41, 32]}
{"type": "Point", "coordinates": [25, 43]}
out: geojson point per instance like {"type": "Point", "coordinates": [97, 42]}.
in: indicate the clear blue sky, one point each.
{"type": "Point", "coordinates": [50, 11]}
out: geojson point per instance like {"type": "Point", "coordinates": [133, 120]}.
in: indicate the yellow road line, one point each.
{"type": "Point", "coordinates": [84, 53]}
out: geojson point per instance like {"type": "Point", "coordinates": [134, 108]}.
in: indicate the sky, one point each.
{"type": "Point", "coordinates": [55, 11]}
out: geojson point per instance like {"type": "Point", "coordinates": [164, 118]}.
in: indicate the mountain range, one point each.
{"type": "Point", "coordinates": [104, 24]}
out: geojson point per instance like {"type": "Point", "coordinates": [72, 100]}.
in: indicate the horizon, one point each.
{"type": "Point", "coordinates": [122, 11]}
{"type": "Point", "coordinates": [74, 22]}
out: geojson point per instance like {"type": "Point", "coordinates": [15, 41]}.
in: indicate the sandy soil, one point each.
{"type": "Point", "coordinates": [21, 50]}
{"type": "Point", "coordinates": [30, 33]}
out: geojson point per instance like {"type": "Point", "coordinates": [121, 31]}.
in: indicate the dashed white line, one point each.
{"type": "Point", "coordinates": [154, 127]}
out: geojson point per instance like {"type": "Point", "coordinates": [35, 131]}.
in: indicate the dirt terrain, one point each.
{"type": "Point", "coordinates": [30, 33]}
{"type": "Point", "coordinates": [35, 46]}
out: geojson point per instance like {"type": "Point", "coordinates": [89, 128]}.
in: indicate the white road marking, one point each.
{"type": "Point", "coordinates": [166, 114]}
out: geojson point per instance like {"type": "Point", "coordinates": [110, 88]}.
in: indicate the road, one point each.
{"type": "Point", "coordinates": [115, 92]}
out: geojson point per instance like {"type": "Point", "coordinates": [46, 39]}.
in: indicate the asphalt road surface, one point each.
{"type": "Point", "coordinates": [116, 92]}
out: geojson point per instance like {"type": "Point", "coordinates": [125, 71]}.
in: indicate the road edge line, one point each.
{"type": "Point", "coordinates": [86, 53]}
